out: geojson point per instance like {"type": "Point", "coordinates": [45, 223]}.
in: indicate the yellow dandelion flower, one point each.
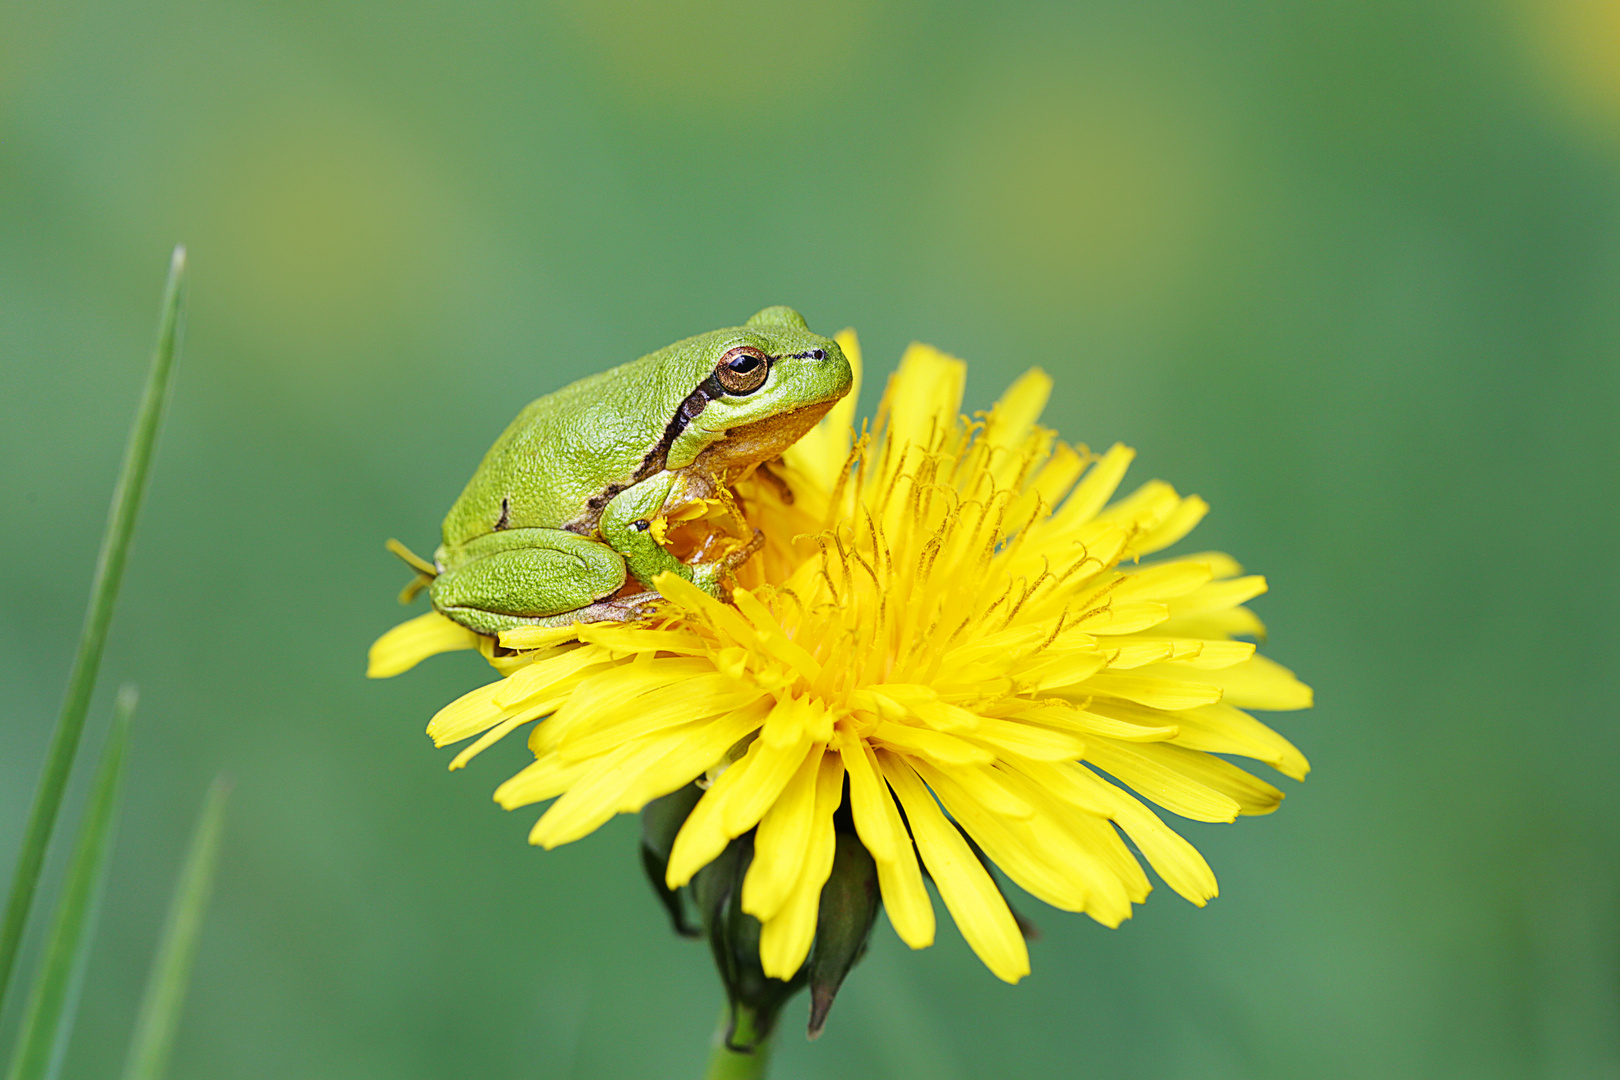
{"type": "Point", "coordinates": [951, 626]}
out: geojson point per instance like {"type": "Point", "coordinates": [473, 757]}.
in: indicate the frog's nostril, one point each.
{"type": "Point", "coordinates": [818, 354]}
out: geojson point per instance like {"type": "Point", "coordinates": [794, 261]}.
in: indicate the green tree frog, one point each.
{"type": "Point", "coordinates": [572, 500]}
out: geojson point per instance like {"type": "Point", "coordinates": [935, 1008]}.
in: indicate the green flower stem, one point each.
{"type": "Point", "coordinates": [728, 1064]}
{"type": "Point", "coordinates": [103, 593]}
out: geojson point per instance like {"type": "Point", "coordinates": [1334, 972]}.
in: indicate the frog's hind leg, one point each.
{"type": "Point", "coordinates": [531, 577]}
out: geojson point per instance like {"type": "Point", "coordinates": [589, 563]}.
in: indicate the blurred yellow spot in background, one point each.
{"type": "Point", "coordinates": [1086, 192]}
{"type": "Point", "coordinates": [736, 56]}
{"type": "Point", "coordinates": [328, 231]}
{"type": "Point", "coordinates": [1576, 48]}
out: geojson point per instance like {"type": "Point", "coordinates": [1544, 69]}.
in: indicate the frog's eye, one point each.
{"type": "Point", "coordinates": [742, 370]}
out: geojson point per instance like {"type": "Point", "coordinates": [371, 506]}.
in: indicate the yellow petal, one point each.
{"type": "Point", "coordinates": [876, 820]}
{"type": "Point", "coordinates": [1120, 618]}
{"type": "Point", "coordinates": [1143, 510]}
{"type": "Point", "coordinates": [969, 893]}
{"type": "Point", "coordinates": [1134, 652]}
{"type": "Point", "coordinates": [1227, 622]}
{"type": "Point", "coordinates": [538, 637]}
{"type": "Point", "coordinates": [732, 805]}
{"type": "Point", "coordinates": [541, 780]}
{"type": "Point", "coordinates": [1052, 670]}
{"type": "Point", "coordinates": [678, 590]}
{"type": "Point", "coordinates": [409, 643]}
{"type": "Point", "coordinates": [924, 393]}
{"type": "Point", "coordinates": [596, 796]}
{"type": "Point", "coordinates": [878, 824]}
{"type": "Point", "coordinates": [1090, 845]}
{"type": "Point", "coordinates": [653, 713]}
{"type": "Point", "coordinates": [987, 787]}
{"type": "Point", "coordinates": [1034, 853]}
{"type": "Point", "coordinates": [1160, 582]}
{"type": "Point", "coordinates": [905, 898]}
{"type": "Point", "coordinates": [1259, 683]}
{"type": "Point", "coordinates": [784, 940]}
{"type": "Point", "coordinates": [772, 768]}
{"type": "Point", "coordinates": [1069, 782]}
{"type": "Point", "coordinates": [1175, 860]}
{"type": "Point", "coordinates": [1201, 654]}
{"type": "Point", "coordinates": [617, 692]}
{"type": "Point", "coordinates": [541, 676]}
{"type": "Point", "coordinates": [1094, 489]}
{"type": "Point", "coordinates": [1221, 565]}
{"type": "Point", "coordinates": [1170, 787]}
{"type": "Point", "coordinates": [1252, 794]}
{"type": "Point", "coordinates": [531, 711]}
{"type": "Point", "coordinates": [622, 639]}
{"type": "Point", "coordinates": [1018, 408]}
{"type": "Point", "coordinates": [780, 844]}
{"type": "Point", "coordinates": [1015, 738]}
{"type": "Point", "coordinates": [1218, 595]}
{"type": "Point", "coordinates": [1056, 476]}
{"type": "Point", "coordinates": [469, 714]}
{"type": "Point", "coordinates": [1089, 721]}
{"type": "Point", "coordinates": [937, 746]}
{"type": "Point", "coordinates": [1181, 521]}
{"type": "Point", "coordinates": [695, 754]}
{"type": "Point", "coordinates": [776, 643]}
{"type": "Point", "coordinates": [1158, 693]}
{"type": "Point", "coordinates": [703, 836]}
{"type": "Point", "coordinates": [1226, 729]}
{"type": "Point", "coordinates": [842, 415]}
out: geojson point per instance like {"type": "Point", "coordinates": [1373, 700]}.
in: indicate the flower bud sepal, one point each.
{"type": "Point", "coordinates": [849, 907]}
{"type": "Point", "coordinates": [755, 999]}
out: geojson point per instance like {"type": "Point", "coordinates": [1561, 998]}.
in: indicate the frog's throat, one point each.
{"type": "Point", "coordinates": [742, 449]}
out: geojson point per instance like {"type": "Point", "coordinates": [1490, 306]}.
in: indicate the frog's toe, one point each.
{"type": "Point", "coordinates": [743, 554]}
{"type": "Point", "coordinates": [638, 607]}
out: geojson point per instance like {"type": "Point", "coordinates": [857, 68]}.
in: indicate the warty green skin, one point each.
{"type": "Point", "coordinates": [557, 517]}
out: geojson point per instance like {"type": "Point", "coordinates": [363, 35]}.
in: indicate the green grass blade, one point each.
{"type": "Point", "coordinates": [42, 1039]}
{"type": "Point", "coordinates": [103, 593]}
{"type": "Point", "coordinates": [171, 968]}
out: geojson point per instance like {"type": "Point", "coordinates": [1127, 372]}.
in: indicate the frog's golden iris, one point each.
{"type": "Point", "coordinates": [950, 620]}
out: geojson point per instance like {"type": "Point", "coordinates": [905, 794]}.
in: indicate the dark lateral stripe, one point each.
{"type": "Point", "coordinates": [658, 457]}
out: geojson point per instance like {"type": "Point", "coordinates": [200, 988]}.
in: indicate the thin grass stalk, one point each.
{"type": "Point", "coordinates": [165, 993]}
{"type": "Point", "coordinates": [92, 640]}
{"type": "Point", "coordinates": [54, 996]}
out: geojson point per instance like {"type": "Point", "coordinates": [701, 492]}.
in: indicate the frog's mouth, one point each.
{"type": "Point", "coordinates": [736, 455]}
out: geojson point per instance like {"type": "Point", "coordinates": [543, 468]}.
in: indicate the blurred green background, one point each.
{"type": "Point", "coordinates": [1349, 269]}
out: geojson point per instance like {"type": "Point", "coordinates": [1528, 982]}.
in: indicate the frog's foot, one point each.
{"type": "Point", "coordinates": [530, 577]}
{"type": "Point", "coordinates": [425, 571]}
{"type": "Point", "coordinates": [744, 553]}
{"type": "Point", "coordinates": [711, 577]}
{"type": "Point", "coordinates": [633, 608]}
{"type": "Point", "coordinates": [637, 608]}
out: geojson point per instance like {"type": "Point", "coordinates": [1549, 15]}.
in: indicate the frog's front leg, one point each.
{"type": "Point", "coordinates": [531, 577]}
{"type": "Point", "coordinates": [627, 526]}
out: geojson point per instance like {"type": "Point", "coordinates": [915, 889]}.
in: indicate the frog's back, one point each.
{"type": "Point", "coordinates": [565, 449]}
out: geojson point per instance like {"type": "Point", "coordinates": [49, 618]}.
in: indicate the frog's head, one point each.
{"type": "Point", "coordinates": [761, 386]}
